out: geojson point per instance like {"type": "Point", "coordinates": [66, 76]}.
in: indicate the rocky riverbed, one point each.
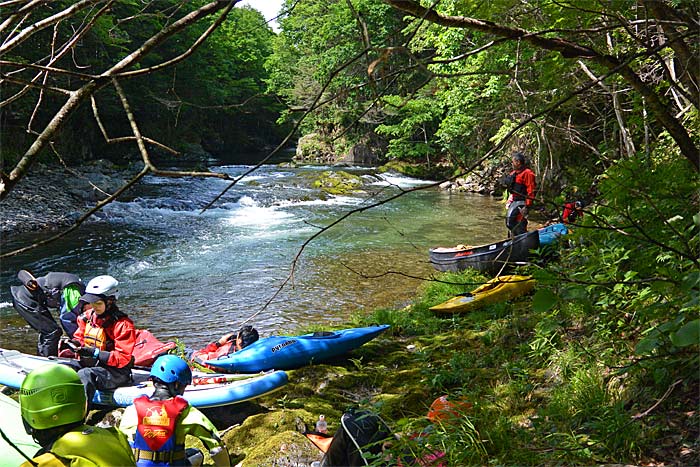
{"type": "Point", "coordinates": [55, 196]}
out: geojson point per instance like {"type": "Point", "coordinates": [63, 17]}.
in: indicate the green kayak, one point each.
{"type": "Point", "coordinates": [12, 427]}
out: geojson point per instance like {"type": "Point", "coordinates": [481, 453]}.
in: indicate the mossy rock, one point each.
{"type": "Point", "coordinates": [273, 438]}
{"type": "Point", "coordinates": [412, 403]}
{"type": "Point", "coordinates": [338, 183]}
{"type": "Point", "coordinates": [433, 172]}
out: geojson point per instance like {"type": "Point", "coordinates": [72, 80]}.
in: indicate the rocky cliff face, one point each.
{"type": "Point", "coordinates": [314, 148]}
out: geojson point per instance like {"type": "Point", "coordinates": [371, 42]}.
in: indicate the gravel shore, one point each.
{"type": "Point", "coordinates": [53, 196]}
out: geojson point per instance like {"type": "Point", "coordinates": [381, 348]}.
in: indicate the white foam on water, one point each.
{"type": "Point", "coordinates": [251, 214]}
{"type": "Point", "coordinates": [402, 181]}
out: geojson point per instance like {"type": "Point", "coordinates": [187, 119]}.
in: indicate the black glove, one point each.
{"type": "Point", "coordinates": [73, 344]}
{"type": "Point", "coordinates": [87, 352]}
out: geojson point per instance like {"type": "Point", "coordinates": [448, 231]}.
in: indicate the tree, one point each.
{"type": "Point", "coordinates": [44, 61]}
{"type": "Point", "coordinates": [639, 58]}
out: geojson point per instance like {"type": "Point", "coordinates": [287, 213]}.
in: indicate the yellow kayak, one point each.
{"type": "Point", "coordinates": [498, 289]}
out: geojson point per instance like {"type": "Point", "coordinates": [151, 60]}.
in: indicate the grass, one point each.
{"type": "Point", "coordinates": [544, 388]}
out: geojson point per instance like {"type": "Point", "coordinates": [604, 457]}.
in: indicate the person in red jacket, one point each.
{"type": "Point", "coordinates": [227, 344]}
{"type": "Point", "coordinates": [105, 338]}
{"type": "Point", "coordinates": [521, 185]}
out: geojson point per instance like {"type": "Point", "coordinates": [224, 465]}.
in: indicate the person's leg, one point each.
{"type": "Point", "coordinates": [520, 226]}
{"type": "Point", "coordinates": [91, 377]}
{"type": "Point", "coordinates": [513, 215]}
{"type": "Point", "coordinates": [42, 321]}
{"type": "Point", "coordinates": [48, 342]}
{"type": "Point", "coordinates": [100, 378]}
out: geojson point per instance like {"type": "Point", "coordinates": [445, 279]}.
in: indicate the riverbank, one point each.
{"type": "Point", "coordinates": [531, 388]}
{"type": "Point", "coordinates": [51, 196]}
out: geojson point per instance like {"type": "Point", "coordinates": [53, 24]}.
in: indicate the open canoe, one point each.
{"type": "Point", "coordinates": [498, 289]}
{"type": "Point", "coordinates": [489, 259]}
{"type": "Point", "coordinates": [289, 352]}
{"type": "Point", "coordinates": [551, 233]}
{"type": "Point", "coordinates": [208, 390]}
{"type": "Point", "coordinates": [13, 429]}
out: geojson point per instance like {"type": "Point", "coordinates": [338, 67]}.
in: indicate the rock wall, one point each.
{"type": "Point", "coordinates": [485, 181]}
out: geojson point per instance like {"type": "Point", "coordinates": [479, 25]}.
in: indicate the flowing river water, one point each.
{"type": "Point", "coordinates": [194, 276]}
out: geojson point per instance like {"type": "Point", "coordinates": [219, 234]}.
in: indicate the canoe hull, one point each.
{"type": "Point", "coordinates": [231, 389]}
{"type": "Point", "coordinates": [489, 259]}
{"type": "Point", "coordinates": [289, 352]}
{"type": "Point", "coordinates": [498, 289]}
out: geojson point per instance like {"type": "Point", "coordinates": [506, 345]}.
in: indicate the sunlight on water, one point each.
{"type": "Point", "coordinates": [195, 276]}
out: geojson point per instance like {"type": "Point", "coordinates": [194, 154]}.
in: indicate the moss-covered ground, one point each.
{"type": "Point", "coordinates": [537, 393]}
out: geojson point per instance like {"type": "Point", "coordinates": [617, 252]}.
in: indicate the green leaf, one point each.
{"type": "Point", "coordinates": [691, 281]}
{"type": "Point", "coordinates": [647, 345]}
{"type": "Point", "coordinates": [688, 335]}
{"type": "Point", "coordinates": [544, 300]}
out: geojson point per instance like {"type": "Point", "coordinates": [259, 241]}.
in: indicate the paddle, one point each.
{"type": "Point", "coordinates": [4, 436]}
{"type": "Point", "coordinates": [220, 379]}
{"type": "Point", "coordinates": [213, 379]}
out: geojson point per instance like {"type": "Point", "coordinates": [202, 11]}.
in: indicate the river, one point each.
{"type": "Point", "coordinates": [196, 276]}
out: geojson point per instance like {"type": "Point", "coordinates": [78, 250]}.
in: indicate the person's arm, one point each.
{"type": "Point", "coordinates": [195, 423]}
{"type": "Point", "coordinates": [225, 338]}
{"type": "Point", "coordinates": [79, 334]}
{"type": "Point", "coordinates": [124, 336]}
{"type": "Point", "coordinates": [530, 185]}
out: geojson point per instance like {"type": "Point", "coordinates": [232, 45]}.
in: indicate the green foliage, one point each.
{"type": "Point", "coordinates": [320, 37]}
{"type": "Point", "coordinates": [415, 121]}
{"type": "Point", "coordinates": [212, 96]}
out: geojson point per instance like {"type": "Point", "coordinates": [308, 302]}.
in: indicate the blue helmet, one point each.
{"type": "Point", "coordinates": [170, 368]}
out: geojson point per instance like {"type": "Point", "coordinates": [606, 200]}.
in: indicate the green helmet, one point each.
{"type": "Point", "coordinates": [52, 395]}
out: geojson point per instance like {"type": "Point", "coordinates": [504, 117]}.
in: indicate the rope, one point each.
{"type": "Point", "coordinates": [4, 436]}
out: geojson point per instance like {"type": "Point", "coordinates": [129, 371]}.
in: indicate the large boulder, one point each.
{"type": "Point", "coordinates": [338, 183]}
{"type": "Point", "coordinates": [315, 149]}
{"type": "Point", "coordinates": [360, 154]}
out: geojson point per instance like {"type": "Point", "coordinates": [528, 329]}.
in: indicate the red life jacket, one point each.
{"type": "Point", "coordinates": [518, 184]}
{"type": "Point", "coordinates": [157, 420]}
{"type": "Point", "coordinates": [147, 348]}
{"type": "Point", "coordinates": [211, 352]}
{"type": "Point", "coordinates": [571, 213]}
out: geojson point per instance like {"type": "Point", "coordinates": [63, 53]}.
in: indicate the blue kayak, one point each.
{"type": "Point", "coordinates": [207, 390]}
{"type": "Point", "coordinates": [551, 233]}
{"type": "Point", "coordinates": [289, 352]}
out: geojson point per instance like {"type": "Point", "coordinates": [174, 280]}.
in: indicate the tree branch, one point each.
{"type": "Point", "coordinates": [569, 49]}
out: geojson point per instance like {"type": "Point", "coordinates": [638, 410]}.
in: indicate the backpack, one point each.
{"type": "Point", "coordinates": [358, 440]}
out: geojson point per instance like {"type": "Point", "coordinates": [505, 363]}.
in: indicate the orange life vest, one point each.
{"type": "Point", "coordinates": [95, 336]}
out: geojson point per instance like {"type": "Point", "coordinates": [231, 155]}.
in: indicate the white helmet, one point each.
{"type": "Point", "coordinates": [103, 285]}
